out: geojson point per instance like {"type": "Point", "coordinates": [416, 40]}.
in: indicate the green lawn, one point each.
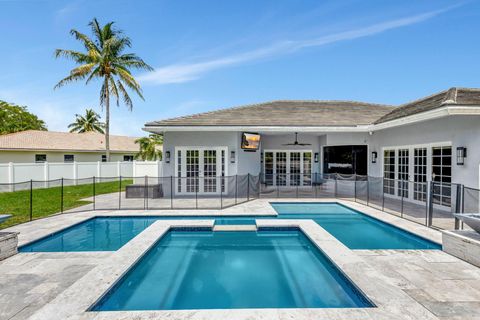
{"type": "Point", "coordinates": [48, 201]}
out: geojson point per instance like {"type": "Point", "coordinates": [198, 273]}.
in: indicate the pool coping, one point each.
{"type": "Point", "coordinates": [390, 300]}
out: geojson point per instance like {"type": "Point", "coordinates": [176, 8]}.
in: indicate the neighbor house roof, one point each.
{"type": "Point", "coordinates": [452, 96]}
{"type": "Point", "coordinates": [286, 113]}
{"type": "Point", "coordinates": [63, 141]}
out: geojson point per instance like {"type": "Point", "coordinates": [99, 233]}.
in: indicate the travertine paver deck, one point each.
{"type": "Point", "coordinates": [444, 287]}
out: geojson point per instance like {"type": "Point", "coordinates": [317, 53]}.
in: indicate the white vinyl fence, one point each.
{"type": "Point", "coordinates": [23, 172]}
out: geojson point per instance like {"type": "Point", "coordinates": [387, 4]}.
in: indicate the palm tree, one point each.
{"type": "Point", "coordinates": [88, 123]}
{"type": "Point", "coordinates": [104, 59]}
{"type": "Point", "coordinates": [149, 147]}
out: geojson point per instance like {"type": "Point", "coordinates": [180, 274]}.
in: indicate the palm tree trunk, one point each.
{"type": "Point", "coordinates": [107, 120]}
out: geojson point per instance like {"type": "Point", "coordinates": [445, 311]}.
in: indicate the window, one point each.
{"type": "Point", "coordinates": [442, 175]}
{"type": "Point", "coordinates": [104, 158]}
{"type": "Point", "coordinates": [68, 158]}
{"type": "Point", "coordinates": [389, 171]}
{"type": "Point", "coordinates": [40, 158]}
{"type": "Point", "coordinates": [420, 174]}
{"type": "Point", "coordinates": [127, 158]}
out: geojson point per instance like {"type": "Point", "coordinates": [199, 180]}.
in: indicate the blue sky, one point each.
{"type": "Point", "coordinates": [215, 54]}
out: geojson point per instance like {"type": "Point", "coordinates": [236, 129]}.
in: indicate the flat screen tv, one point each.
{"type": "Point", "coordinates": [250, 141]}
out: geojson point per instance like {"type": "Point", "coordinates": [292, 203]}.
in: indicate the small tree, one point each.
{"type": "Point", "coordinates": [150, 147]}
{"type": "Point", "coordinates": [88, 123]}
{"type": "Point", "coordinates": [15, 118]}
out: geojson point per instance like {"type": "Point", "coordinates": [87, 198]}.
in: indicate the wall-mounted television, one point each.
{"type": "Point", "coordinates": [250, 141]}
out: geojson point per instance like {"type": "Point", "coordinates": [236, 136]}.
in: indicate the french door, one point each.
{"type": "Point", "coordinates": [287, 168]}
{"type": "Point", "coordinates": [200, 170]}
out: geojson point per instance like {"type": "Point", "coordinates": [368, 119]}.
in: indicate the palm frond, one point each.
{"type": "Point", "coordinates": [87, 42]}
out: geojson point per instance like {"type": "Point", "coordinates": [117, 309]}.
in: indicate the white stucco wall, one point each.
{"type": "Point", "coordinates": [205, 139]}
{"type": "Point", "coordinates": [460, 131]}
{"type": "Point", "coordinates": [455, 130]}
{"type": "Point", "coordinates": [29, 156]}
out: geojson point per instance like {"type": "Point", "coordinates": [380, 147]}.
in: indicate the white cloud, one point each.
{"type": "Point", "coordinates": [185, 72]}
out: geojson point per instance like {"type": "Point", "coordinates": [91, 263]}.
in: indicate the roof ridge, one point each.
{"type": "Point", "coordinates": [424, 98]}
{"type": "Point", "coordinates": [245, 106]}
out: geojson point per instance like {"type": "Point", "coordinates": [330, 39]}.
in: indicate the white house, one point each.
{"type": "Point", "coordinates": [431, 139]}
{"type": "Point", "coordinates": [49, 146]}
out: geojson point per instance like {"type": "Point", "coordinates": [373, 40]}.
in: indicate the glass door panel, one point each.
{"type": "Point", "coordinates": [420, 174]}
{"type": "Point", "coordinates": [269, 168]}
{"type": "Point", "coordinates": [295, 169]}
{"type": "Point", "coordinates": [209, 171]}
{"type": "Point", "coordinates": [281, 168]}
{"type": "Point", "coordinates": [192, 172]}
{"type": "Point", "coordinates": [307, 168]}
{"type": "Point", "coordinates": [403, 173]}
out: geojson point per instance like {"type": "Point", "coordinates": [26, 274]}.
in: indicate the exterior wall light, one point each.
{"type": "Point", "coordinates": [461, 155]}
{"type": "Point", "coordinates": [167, 156]}
{"type": "Point", "coordinates": [315, 157]}
{"type": "Point", "coordinates": [232, 156]}
{"type": "Point", "coordinates": [374, 156]}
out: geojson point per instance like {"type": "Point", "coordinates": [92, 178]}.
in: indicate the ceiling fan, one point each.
{"type": "Point", "coordinates": [296, 143]}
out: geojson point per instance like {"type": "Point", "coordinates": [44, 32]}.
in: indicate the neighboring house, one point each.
{"type": "Point", "coordinates": [418, 141]}
{"type": "Point", "coordinates": [41, 146]}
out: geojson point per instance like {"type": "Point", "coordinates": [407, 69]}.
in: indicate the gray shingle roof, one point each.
{"type": "Point", "coordinates": [452, 96]}
{"type": "Point", "coordinates": [286, 113]}
{"type": "Point", "coordinates": [322, 113]}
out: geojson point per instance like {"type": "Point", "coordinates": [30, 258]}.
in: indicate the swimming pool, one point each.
{"type": "Point", "coordinates": [228, 270]}
{"type": "Point", "coordinates": [110, 233]}
{"type": "Point", "coordinates": [352, 228]}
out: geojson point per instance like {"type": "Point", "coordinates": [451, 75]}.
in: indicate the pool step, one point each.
{"type": "Point", "coordinates": [245, 227]}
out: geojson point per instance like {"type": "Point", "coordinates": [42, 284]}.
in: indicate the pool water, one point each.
{"type": "Point", "coordinates": [110, 233]}
{"type": "Point", "coordinates": [352, 228]}
{"type": "Point", "coordinates": [226, 270]}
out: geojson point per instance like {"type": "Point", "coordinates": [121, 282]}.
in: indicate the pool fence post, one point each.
{"type": "Point", "coordinates": [171, 192]}
{"type": "Point", "coordinates": [248, 187]}
{"type": "Point", "coordinates": [430, 205]}
{"type": "Point", "coordinates": [61, 197]}
{"type": "Point", "coordinates": [236, 187]}
{"type": "Point", "coordinates": [458, 204]}
{"type": "Point", "coordinates": [221, 194]}
{"type": "Point", "coordinates": [463, 202]}
{"type": "Point", "coordinates": [120, 193]}
{"type": "Point", "coordinates": [31, 199]}
{"type": "Point", "coordinates": [93, 178]}
{"type": "Point", "coordinates": [145, 194]}
{"type": "Point", "coordinates": [355, 187]}
{"type": "Point", "coordinates": [368, 189]}
{"type": "Point", "coordinates": [196, 193]}
{"type": "Point", "coordinates": [402, 193]}
{"type": "Point", "coordinates": [383, 194]}
{"type": "Point", "coordinates": [336, 185]}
